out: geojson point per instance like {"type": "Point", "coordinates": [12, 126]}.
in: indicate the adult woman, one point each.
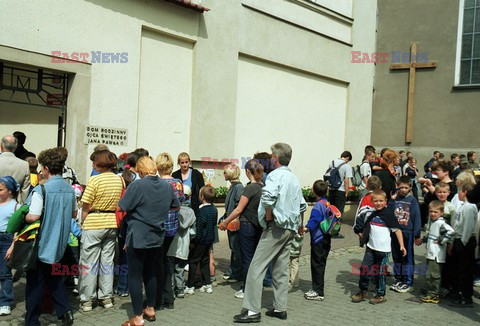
{"type": "Point", "coordinates": [147, 202]}
{"type": "Point", "coordinates": [387, 172]}
{"type": "Point", "coordinates": [247, 209]}
{"type": "Point", "coordinates": [190, 177]}
{"type": "Point", "coordinates": [97, 247]}
{"type": "Point", "coordinates": [8, 192]}
{"type": "Point", "coordinates": [231, 173]}
{"type": "Point", "coordinates": [55, 210]}
{"type": "Point", "coordinates": [164, 269]}
{"type": "Point", "coordinates": [442, 171]}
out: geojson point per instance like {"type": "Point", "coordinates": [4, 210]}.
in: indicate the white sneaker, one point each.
{"type": "Point", "coordinates": [403, 288]}
{"type": "Point", "coordinates": [395, 286]}
{"type": "Point", "coordinates": [186, 268]}
{"type": "Point", "coordinates": [5, 310]}
{"type": "Point", "coordinates": [189, 290]}
{"type": "Point", "coordinates": [206, 288]}
{"type": "Point", "coordinates": [310, 292]}
{"type": "Point", "coordinates": [86, 306]}
{"type": "Point", "coordinates": [239, 294]}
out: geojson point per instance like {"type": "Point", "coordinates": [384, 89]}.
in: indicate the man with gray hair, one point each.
{"type": "Point", "coordinates": [279, 213]}
{"type": "Point", "coordinates": [14, 167]}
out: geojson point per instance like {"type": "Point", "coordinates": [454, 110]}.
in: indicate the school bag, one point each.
{"type": "Point", "coordinates": [357, 177]}
{"type": "Point", "coordinates": [330, 225]}
{"type": "Point", "coordinates": [332, 176]}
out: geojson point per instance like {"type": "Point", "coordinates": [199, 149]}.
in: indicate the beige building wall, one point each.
{"type": "Point", "coordinates": [445, 118]}
{"type": "Point", "coordinates": [192, 79]}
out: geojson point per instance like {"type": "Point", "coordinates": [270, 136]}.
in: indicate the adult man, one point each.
{"type": "Point", "coordinates": [279, 214]}
{"type": "Point", "coordinates": [338, 196]}
{"type": "Point", "coordinates": [14, 167]}
{"type": "Point", "coordinates": [21, 152]}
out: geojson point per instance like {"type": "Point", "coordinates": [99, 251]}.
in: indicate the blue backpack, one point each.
{"type": "Point", "coordinates": [332, 176]}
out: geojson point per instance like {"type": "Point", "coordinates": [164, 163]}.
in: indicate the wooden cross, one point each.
{"type": "Point", "coordinates": [412, 66]}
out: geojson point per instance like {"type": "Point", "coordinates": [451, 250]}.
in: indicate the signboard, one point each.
{"type": "Point", "coordinates": [106, 135]}
{"type": "Point", "coordinates": [55, 99]}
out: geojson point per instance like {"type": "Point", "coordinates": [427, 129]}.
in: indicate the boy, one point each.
{"type": "Point", "coordinates": [407, 212]}
{"type": "Point", "coordinates": [442, 191]}
{"type": "Point", "coordinates": [463, 248]}
{"type": "Point", "coordinates": [204, 237]}
{"type": "Point", "coordinates": [373, 183]}
{"type": "Point", "coordinates": [438, 235]}
{"type": "Point", "coordinates": [319, 242]}
{"type": "Point", "coordinates": [366, 171]}
{"type": "Point", "coordinates": [375, 231]}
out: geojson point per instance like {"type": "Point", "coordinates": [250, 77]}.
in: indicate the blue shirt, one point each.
{"type": "Point", "coordinates": [283, 194]}
{"type": "Point", "coordinates": [6, 212]}
{"type": "Point", "coordinates": [60, 204]}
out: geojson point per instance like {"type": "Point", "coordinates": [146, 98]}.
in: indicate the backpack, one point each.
{"type": "Point", "coordinates": [332, 176]}
{"type": "Point", "coordinates": [357, 175]}
{"type": "Point", "coordinates": [330, 225]}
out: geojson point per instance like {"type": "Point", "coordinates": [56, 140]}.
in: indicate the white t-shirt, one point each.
{"type": "Point", "coordinates": [345, 171]}
{"type": "Point", "coordinates": [365, 171]}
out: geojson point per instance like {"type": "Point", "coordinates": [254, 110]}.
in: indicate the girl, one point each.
{"type": "Point", "coordinates": [8, 191]}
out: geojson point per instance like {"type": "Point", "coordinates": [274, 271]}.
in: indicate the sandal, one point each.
{"type": "Point", "coordinates": [148, 317]}
{"type": "Point", "coordinates": [131, 322]}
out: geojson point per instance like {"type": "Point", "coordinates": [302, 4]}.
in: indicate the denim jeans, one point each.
{"type": "Point", "coordinates": [235, 270]}
{"type": "Point", "coordinates": [122, 285]}
{"type": "Point", "coordinates": [249, 236]}
{"type": "Point", "coordinates": [6, 280]}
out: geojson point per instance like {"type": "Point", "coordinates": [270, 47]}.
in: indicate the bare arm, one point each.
{"type": "Point", "coordinates": [236, 212]}
{"type": "Point", "coordinates": [399, 235]}
{"type": "Point", "coordinates": [347, 186]}
{"type": "Point", "coordinates": [30, 218]}
{"type": "Point", "coordinates": [85, 210]}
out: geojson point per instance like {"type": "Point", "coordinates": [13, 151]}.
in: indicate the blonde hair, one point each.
{"type": "Point", "coordinates": [232, 171]}
{"type": "Point", "coordinates": [145, 165]}
{"type": "Point", "coordinates": [465, 181]}
{"type": "Point", "coordinates": [164, 163]}
{"type": "Point", "coordinates": [183, 155]}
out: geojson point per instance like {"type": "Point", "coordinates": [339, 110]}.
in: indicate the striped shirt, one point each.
{"type": "Point", "coordinates": [103, 193]}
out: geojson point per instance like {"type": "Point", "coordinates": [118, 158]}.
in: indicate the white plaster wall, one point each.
{"type": "Point", "coordinates": [341, 6]}
{"type": "Point", "coordinates": [165, 98]}
{"type": "Point", "coordinates": [278, 104]}
{"type": "Point", "coordinates": [38, 123]}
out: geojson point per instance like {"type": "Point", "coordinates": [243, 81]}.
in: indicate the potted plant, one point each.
{"type": "Point", "coordinates": [308, 194]}
{"type": "Point", "coordinates": [220, 194]}
{"type": "Point", "coordinates": [353, 194]}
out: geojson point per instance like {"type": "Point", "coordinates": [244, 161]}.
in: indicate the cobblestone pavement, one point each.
{"type": "Point", "coordinates": [219, 307]}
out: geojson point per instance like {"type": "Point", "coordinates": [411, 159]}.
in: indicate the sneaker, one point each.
{"type": "Point", "coordinates": [359, 297]}
{"type": "Point", "coordinates": [86, 306]}
{"type": "Point", "coordinates": [106, 303]}
{"type": "Point", "coordinates": [186, 268]}
{"type": "Point", "coordinates": [225, 277]}
{"type": "Point", "coordinates": [378, 299]}
{"type": "Point", "coordinates": [395, 286]}
{"type": "Point", "coordinates": [308, 293]}
{"type": "Point", "coordinates": [189, 290]}
{"type": "Point", "coordinates": [123, 295]}
{"type": "Point", "coordinates": [430, 299]}
{"type": "Point", "coordinates": [206, 289]}
{"type": "Point", "coordinates": [404, 288]}
{"type": "Point", "coordinates": [314, 296]}
{"type": "Point", "coordinates": [239, 294]}
{"type": "Point", "coordinates": [5, 310]}
{"type": "Point", "coordinates": [180, 294]}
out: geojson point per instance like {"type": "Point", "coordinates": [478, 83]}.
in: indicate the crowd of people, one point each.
{"type": "Point", "coordinates": [137, 219]}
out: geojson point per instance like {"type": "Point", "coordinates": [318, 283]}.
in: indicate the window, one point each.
{"type": "Point", "coordinates": [470, 47]}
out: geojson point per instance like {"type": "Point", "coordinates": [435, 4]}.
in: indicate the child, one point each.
{"type": "Point", "coordinates": [463, 248]}
{"type": "Point", "coordinates": [442, 191]}
{"type": "Point", "coordinates": [438, 235]}
{"type": "Point", "coordinates": [204, 237]}
{"type": "Point", "coordinates": [407, 212]}
{"type": "Point", "coordinates": [33, 165]}
{"type": "Point", "coordinates": [179, 248]}
{"type": "Point", "coordinates": [295, 250]}
{"type": "Point", "coordinates": [375, 231]}
{"type": "Point", "coordinates": [373, 183]}
{"type": "Point", "coordinates": [319, 243]}
{"type": "Point", "coordinates": [8, 192]}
